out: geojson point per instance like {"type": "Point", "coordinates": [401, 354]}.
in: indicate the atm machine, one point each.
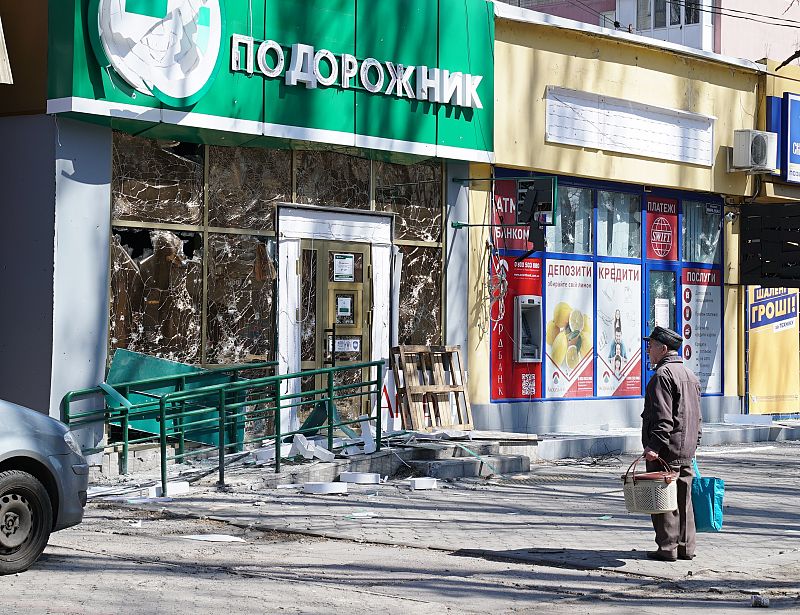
{"type": "Point", "coordinates": [528, 329]}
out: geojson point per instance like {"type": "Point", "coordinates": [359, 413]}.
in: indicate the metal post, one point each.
{"type": "Point", "coordinates": [277, 432]}
{"type": "Point", "coordinates": [125, 432]}
{"type": "Point", "coordinates": [379, 391]}
{"type": "Point", "coordinates": [163, 441]}
{"type": "Point", "coordinates": [330, 409]}
{"type": "Point", "coordinates": [181, 428]}
{"type": "Point", "coordinates": [222, 438]}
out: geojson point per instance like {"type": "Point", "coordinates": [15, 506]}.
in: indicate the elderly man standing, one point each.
{"type": "Point", "coordinates": [671, 430]}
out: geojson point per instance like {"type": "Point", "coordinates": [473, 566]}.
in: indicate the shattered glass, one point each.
{"type": "Point", "coordinates": [241, 272]}
{"type": "Point", "coordinates": [414, 192]}
{"type": "Point", "coordinates": [421, 296]}
{"type": "Point", "coordinates": [331, 178]}
{"type": "Point", "coordinates": [572, 233]}
{"type": "Point", "coordinates": [702, 226]}
{"type": "Point", "coordinates": [156, 181]}
{"type": "Point", "coordinates": [156, 294]}
{"type": "Point", "coordinates": [308, 307]}
{"type": "Point", "coordinates": [245, 183]}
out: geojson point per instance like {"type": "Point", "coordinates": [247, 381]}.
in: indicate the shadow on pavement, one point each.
{"type": "Point", "coordinates": [579, 559]}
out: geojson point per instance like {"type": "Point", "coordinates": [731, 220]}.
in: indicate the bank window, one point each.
{"type": "Point", "coordinates": [692, 12]}
{"type": "Point", "coordinates": [572, 233]}
{"type": "Point", "coordinates": [643, 14]}
{"type": "Point", "coordinates": [701, 232]}
{"type": "Point", "coordinates": [619, 225]}
{"type": "Point", "coordinates": [660, 14]}
{"type": "Point", "coordinates": [674, 12]}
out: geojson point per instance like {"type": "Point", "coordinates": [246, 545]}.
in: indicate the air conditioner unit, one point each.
{"type": "Point", "coordinates": [754, 150]}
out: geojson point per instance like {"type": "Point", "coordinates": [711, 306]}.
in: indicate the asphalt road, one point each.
{"type": "Point", "coordinates": [135, 561]}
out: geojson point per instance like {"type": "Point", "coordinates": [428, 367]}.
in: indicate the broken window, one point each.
{"type": "Point", "coordinates": [244, 184]}
{"type": "Point", "coordinates": [331, 178]}
{"type": "Point", "coordinates": [421, 296]}
{"type": "Point", "coordinates": [156, 293]}
{"type": "Point", "coordinates": [157, 181]}
{"type": "Point", "coordinates": [414, 192]}
{"type": "Point", "coordinates": [308, 307]}
{"type": "Point", "coordinates": [241, 272]}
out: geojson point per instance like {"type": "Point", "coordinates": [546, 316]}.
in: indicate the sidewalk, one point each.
{"type": "Point", "coordinates": [566, 514]}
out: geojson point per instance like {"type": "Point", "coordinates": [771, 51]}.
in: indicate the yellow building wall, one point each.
{"type": "Point", "coordinates": [479, 323]}
{"type": "Point", "coordinates": [530, 57]}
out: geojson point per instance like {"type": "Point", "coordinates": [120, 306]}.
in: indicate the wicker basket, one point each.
{"type": "Point", "coordinates": [650, 492]}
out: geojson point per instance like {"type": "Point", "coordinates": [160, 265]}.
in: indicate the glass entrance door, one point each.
{"type": "Point", "coordinates": [661, 301]}
{"type": "Point", "coordinates": [336, 315]}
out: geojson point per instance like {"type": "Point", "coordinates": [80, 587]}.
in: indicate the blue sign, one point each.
{"type": "Point", "coordinates": [792, 109]}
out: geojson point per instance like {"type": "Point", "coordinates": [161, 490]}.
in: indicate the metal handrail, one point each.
{"type": "Point", "coordinates": [178, 412]}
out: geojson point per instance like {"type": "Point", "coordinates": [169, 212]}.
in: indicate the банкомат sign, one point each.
{"type": "Point", "coordinates": [406, 76]}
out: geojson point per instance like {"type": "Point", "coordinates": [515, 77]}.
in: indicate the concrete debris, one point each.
{"type": "Point", "coordinates": [323, 454]}
{"type": "Point", "coordinates": [213, 538]}
{"type": "Point", "coordinates": [325, 488]}
{"type": "Point", "coordinates": [361, 514]}
{"type": "Point", "coordinates": [301, 446]}
{"type": "Point", "coordinates": [368, 434]}
{"type": "Point", "coordinates": [180, 487]}
{"type": "Point", "coordinates": [422, 483]}
{"type": "Point", "coordinates": [360, 478]}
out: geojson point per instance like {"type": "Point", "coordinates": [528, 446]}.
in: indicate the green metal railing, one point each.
{"type": "Point", "coordinates": [186, 414]}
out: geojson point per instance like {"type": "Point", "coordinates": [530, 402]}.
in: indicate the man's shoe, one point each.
{"type": "Point", "coordinates": [662, 556]}
{"type": "Point", "coordinates": [685, 556]}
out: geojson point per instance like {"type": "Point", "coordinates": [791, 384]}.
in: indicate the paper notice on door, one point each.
{"type": "Point", "coordinates": [348, 345]}
{"type": "Point", "coordinates": [662, 312]}
{"type": "Point", "coordinates": [344, 268]}
{"type": "Point", "coordinates": [344, 306]}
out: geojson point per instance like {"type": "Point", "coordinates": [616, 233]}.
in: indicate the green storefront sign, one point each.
{"type": "Point", "coordinates": [410, 76]}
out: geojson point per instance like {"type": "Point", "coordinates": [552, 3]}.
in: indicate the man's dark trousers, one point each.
{"type": "Point", "coordinates": [678, 523]}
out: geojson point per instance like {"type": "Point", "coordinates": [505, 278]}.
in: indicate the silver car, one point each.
{"type": "Point", "coordinates": [43, 481]}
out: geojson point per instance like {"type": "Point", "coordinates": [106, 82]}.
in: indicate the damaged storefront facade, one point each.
{"type": "Point", "coordinates": [272, 191]}
{"type": "Point", "coordinates": [292, 196]}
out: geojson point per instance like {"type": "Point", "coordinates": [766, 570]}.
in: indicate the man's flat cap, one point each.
{"type": "Point", "coordinates": [668, 337]}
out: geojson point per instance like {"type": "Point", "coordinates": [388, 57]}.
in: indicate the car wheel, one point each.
{"type": "Point", "coordinates": [26, 519]}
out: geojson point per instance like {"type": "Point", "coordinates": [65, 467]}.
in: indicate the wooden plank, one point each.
{"type": "Point", "coordinates": [435, 389]}
{"type": "Point", "coordinates": [427, 376]}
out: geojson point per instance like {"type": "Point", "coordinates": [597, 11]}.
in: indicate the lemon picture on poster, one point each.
{"type": "Point", "coordinates": [568, 336]}
{"type": "Point", "coordinates": [168, 49]}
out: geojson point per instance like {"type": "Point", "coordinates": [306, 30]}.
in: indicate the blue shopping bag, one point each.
{"type": "Point", "coordinates": [707, 494]}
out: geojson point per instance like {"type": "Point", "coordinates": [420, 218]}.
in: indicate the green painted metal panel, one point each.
{"type": "Point", "coordinates": [149, 8]}
{"type": "Point", "coordinates": [456, 35]}
{"type": "Point", "coordinates": [466, 43]}
{"type": "Point", "coordinates": [236, 95]}
{"type": "Point", "coordinates": [63, 18]}
{"type": "Point", "coordinates": [325, 24]}
{"type": "Point", "coordinates": [412, 44]}
{"type": "Point", "coordinates": [127, 366]}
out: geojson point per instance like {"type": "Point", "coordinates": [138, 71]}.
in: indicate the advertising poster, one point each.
{"type": "Point", "coordinates": [662, 229]}
{"type": "Point", "coordinates": [773, 347]}
{"type": "Point", "coordinates": [504, 212]}
{"type": "Point", "coordinates": [570, 307]}
{"type": "Point", "coordinates": [516, 347]}
{"type": "Point", "coordinates": [702, 326]}
{"type": "Point", "coordinates": [792, 155]}
{"type": "Point", "coordinates": [619, 330]}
